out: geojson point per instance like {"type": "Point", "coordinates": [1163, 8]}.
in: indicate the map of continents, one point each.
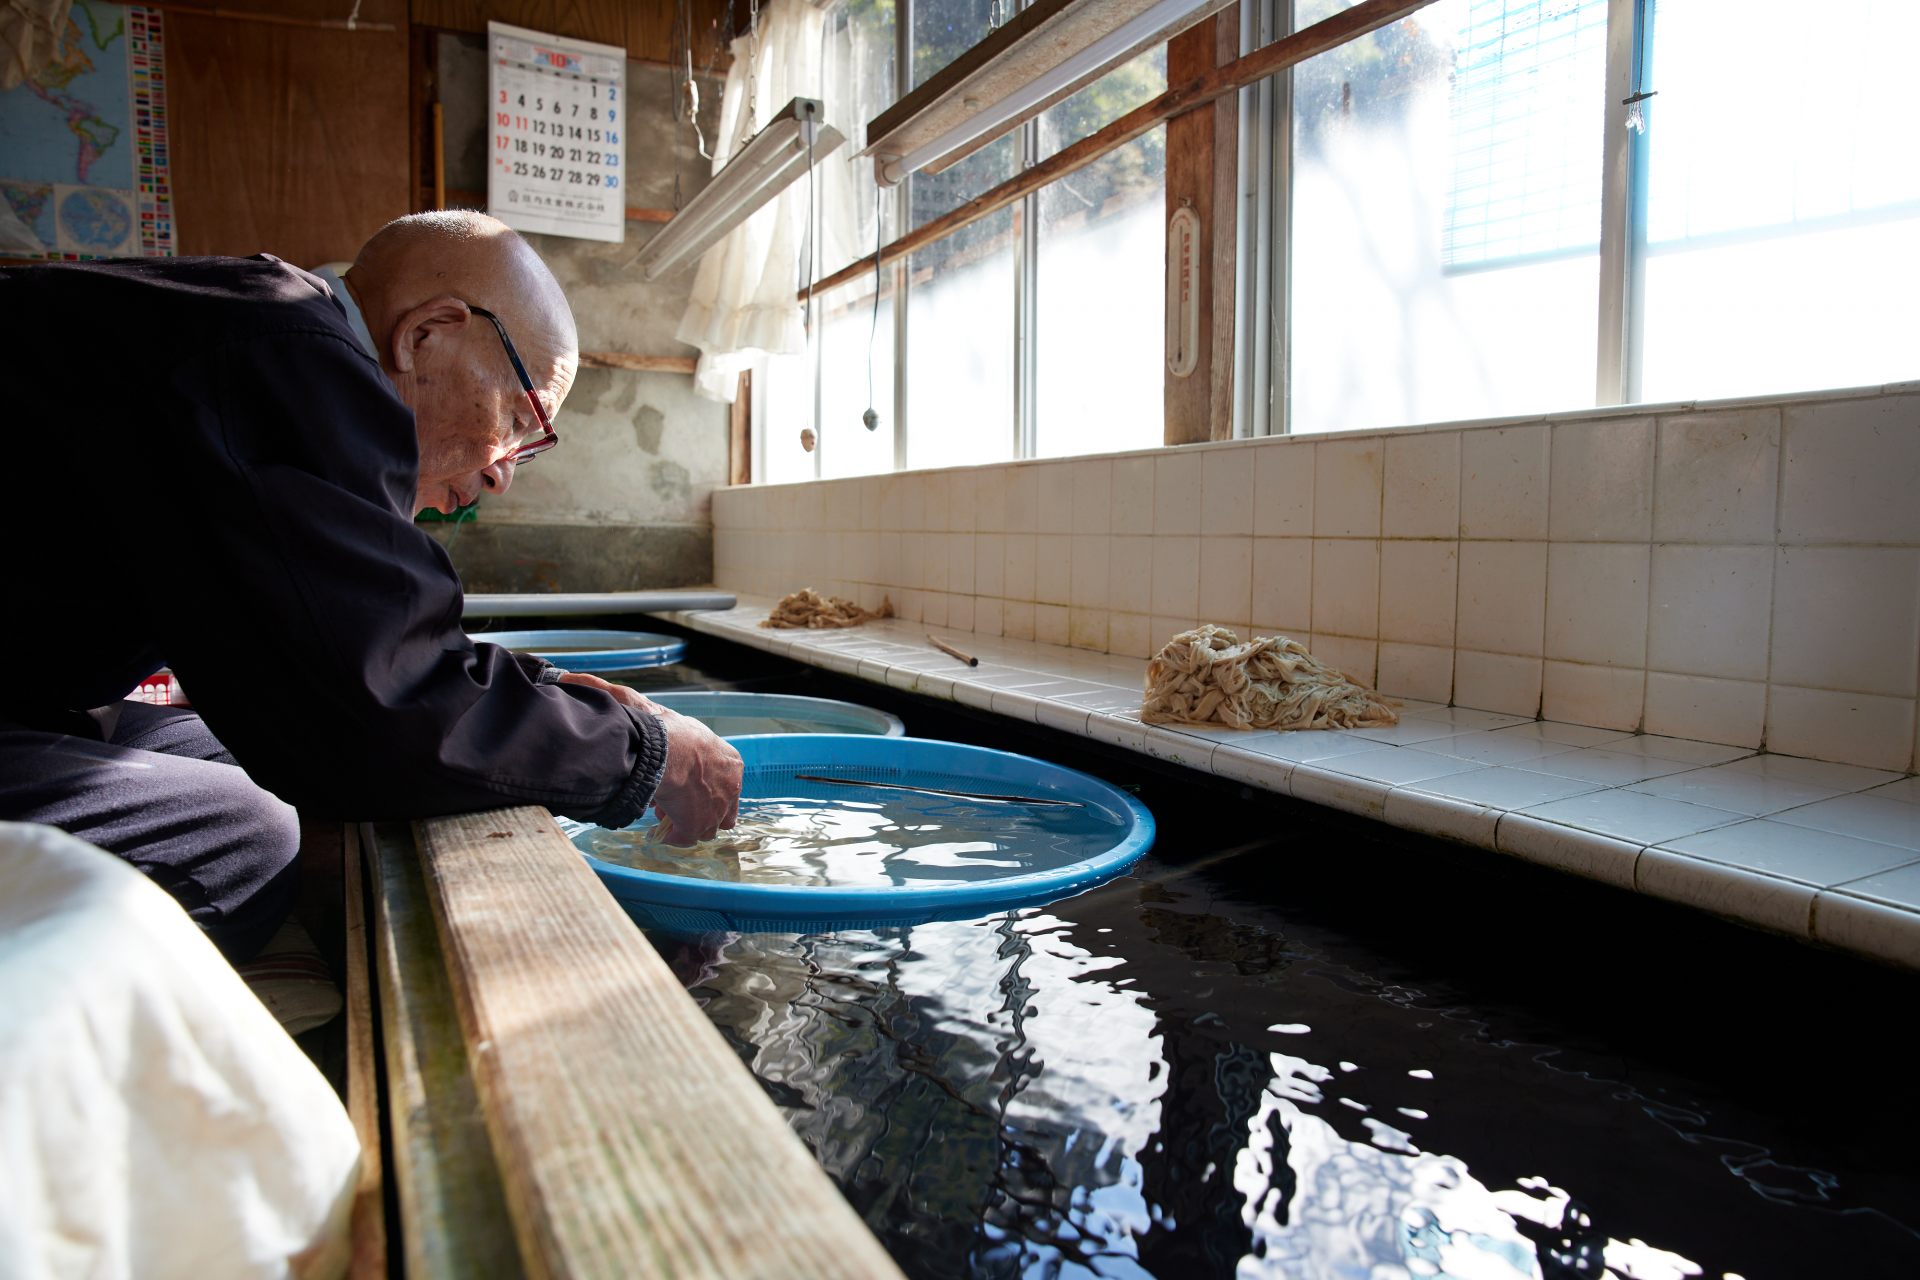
{"type": "Point", "coordinates": [66, 156]}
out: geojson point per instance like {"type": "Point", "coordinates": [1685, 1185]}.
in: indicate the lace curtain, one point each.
{"type": "Point", "coordinates": [743, 302]}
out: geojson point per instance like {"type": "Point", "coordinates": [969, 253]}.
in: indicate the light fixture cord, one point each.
{"type": "Point", "coordinates": [872, 418]}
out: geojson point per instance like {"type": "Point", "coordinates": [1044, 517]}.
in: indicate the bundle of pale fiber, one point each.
{"type": "Point", "coordinates": [809, 609]}
{"type": "Point", "coordinates": [1206, 676]}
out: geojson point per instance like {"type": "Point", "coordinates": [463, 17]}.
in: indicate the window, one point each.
{"type": "Point", "coordinates": [1100, 287]}
{"type": "Point", "coordinates": [1782, 233]}
{"type": "Point", "coordinates": [1448, 219]}
{"type": "Point", "coordinates": [1446, 215]}
{"type": "Point", "coordinates": [1085, 293]}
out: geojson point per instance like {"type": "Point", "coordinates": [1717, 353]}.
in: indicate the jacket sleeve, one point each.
{"type": "Point", "coordinates": [319, 629]}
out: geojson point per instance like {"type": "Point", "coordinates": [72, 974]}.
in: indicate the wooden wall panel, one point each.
{"type": "Point", "coordinates": [644, 28]}
{"type": "Point", "coordinates": [1202, 171]}
{"type": "Point", "coordinates": [286, 140]}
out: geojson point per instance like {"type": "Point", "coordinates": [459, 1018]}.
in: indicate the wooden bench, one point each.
{"type": "Point", "coordinates": [551, 1100]}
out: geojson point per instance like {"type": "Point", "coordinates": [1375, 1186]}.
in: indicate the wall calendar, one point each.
{"type": "Point", "coordinates": [556, 160]}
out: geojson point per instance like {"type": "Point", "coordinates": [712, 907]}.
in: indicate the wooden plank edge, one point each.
{"type": "Point", "coordinates": [630, 1138]}
{"type": "Point", "coordinates": [450, 1209]}
{"type": "Point", "coordinates": [368, 1222]}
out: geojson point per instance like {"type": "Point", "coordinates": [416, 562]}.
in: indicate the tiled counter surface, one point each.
{"type": "Point", "coordinates": [1823, 851]}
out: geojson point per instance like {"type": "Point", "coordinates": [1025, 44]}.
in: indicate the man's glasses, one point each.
{"type": "Point", "coordinates": [539, 444]}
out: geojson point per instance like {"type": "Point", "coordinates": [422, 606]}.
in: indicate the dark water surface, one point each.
{"type": "Point", "coordinates": [1295, 1045]}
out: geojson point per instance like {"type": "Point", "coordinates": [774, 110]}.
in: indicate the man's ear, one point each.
{"type": "Point", "coordinates": [418, 334]}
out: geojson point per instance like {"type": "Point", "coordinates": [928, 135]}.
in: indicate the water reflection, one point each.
{"type": "Point", "coordinates": [1150, 1080]}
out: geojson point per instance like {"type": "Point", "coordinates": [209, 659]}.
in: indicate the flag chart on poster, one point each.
{"type": "Point", "coordinates": [559, 113]}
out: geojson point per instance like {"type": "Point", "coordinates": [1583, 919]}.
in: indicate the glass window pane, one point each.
{"type": "Point", "coordinates": [1446, 215]}
{"type": "Point", "coordinates": [856, 374]}
{"type": "Point", "coordinates": [960, 347]}
{"type": "Point", "coordinates": [1783, 197]}
{"type": "Point", "coordinates": [783, 407]}
{"type": "Point", "coordinates": [942, 31]}
{"type": "Point", "coordinates": [1102, 281]}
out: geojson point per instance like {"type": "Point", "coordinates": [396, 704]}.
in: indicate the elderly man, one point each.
{"type": "Point", "coordinates": [222, 459]}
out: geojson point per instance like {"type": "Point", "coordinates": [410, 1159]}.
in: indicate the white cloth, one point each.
{"type": "Point", "coordinates": [334, 273]}
{"type": "Point", "coordinates": [154, 1120]}
{"type": "Point", "coordinates": [742, 304]}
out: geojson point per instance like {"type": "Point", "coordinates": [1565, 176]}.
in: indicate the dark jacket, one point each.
{"type": "Point", "coordinates": [209, 472]}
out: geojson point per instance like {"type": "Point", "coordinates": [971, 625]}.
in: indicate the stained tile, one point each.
{"type": "Point", "coordinates": [1283, 488]}
{"type": "Point", "coordinates": [1784, 906]}
{"type": "Point", "coordinates": [1817, 858]}
{"type": "Point", "coordinates": [1882, 820]}
{"type": "Point", "coordinates": [1397, 765]}
{"type": "Point", "coordinates": [1419, 584]}
{"type": "Point", "coordinates": [1416, 671]}
{"type": "Point", "coordinates": [1606, 768]}
{"type": "Point", "coordinates": [1226, 491]}
{"type": "Point", "coordinates": [1711, 611]}
{"type": "Point", "coordinates": [1817, 773]}
{"type": "Point", "coordinates": [1597, 603]}
{"type": "Point", "coordinates": [1503, 597]}
{"type": "Point", "coordinates": [1252, 768]}
{"type": "Point", "coordinates": [1850, 471]}
{"type": "Point", "coordinates": [1176, 493]}
{"type": "Point", "coordinates": [1303, 746]}
{"type": "Point", "coordinates": [1409, 731]}
{"type": "Point", "coordinates": [1873, 593]}
{"type": "Point", "coordinates": [1700, 707]}
{"type": "Point", "coordinates": [1671, 748]}
{"type": "Point", "coordinates": [1494, 748]}
{"type": "Point", "coordinates": [1318, 784]}
{"type": "Point", "coordinates": [1462, 821]}
{"type": "Point", "coordinates": [1092, 496]}
{"type": "Point", "coordinates": [1464, 719]}
{"type": "Point", "coordinates": [1504, 788]}
{"type": "Point", "coordinates": [1347, 483]}
{"type": "Point", "coordinates": [1855, 728]}
{"type": "Point", "coordinates": [1907, 789]}
{"type": "Point", "coordinates": [1283, 585]}
{"type": "Point", "coordinates": [1503, 482]}
{"type": "Point", "coordinates": [1584, 853]}
{"type": "Point", "coordinates": [1131, 508]}
{"type": "Point", "coordinates": [1603, 697]}
{"type": "Point", "coordinates": [1573, 735]}
{"type": "Point", "coordinates": [1602, 481]}
{"type": "Point", "coordinates": [1723, 787]}
{"type": "Point", "coordinates": [1352, 656]}
{"type": "Point", "coordinates": [1629, 815]}
{"type": "Point", "coordinates": [1422, 486]}
{"type": "Point", "coordinates": [1716, 476]}
{"type": "Point", "coordinates": [1226, 578]}
{"type": "Point", "coordinates": [1346, 586]}
{"type": "Point", "coordinates": [1176, 576]}
{"type": "Point", "coordinates": [1890, 934]}
{"type": "Point", "coordinates": [1898, 886]}
{"type": "Point", "coordinates": [1497, 682]}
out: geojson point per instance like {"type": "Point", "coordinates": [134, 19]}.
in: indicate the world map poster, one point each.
{"type": "Point", "coordinates": [83, 143]}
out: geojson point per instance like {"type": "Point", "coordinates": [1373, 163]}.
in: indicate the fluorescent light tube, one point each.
{"type": "Point", "coordinates": [1000, 115]}
{"type": "Point", "coordinates": [761, 170]}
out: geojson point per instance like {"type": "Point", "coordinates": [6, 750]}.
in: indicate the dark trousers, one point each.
{"type": "Point", "coordinates": [154, 786]}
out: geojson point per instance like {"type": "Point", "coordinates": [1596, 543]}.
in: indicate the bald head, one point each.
{"type": "Point", "coordinates": [467, 255]}
{"type": "Point", "coordinates": [418, 283]}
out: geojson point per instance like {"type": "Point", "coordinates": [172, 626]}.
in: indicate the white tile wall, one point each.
{"type": "Point", "coordinates": [1716, 476]}
{"type": "Point", "coordinates": [1347, 480]}
{"type": "Point", "coordinates": [1419, 582]}
{"type": "Point", "coordinates": [1423, 486]}
{"type": "Point", "coordinates": [1503, 482]}
{"type": "Point", "coordinates": [1597, 603]}
{"type": "Point", "coordinates": [1503, 597]}
{"type": "Point", "coordinates": [1847, 618]}
{"type": "Point", "coordinates": [1746, 573]}
{"type": "Point", "coordinates": [1602, 481]}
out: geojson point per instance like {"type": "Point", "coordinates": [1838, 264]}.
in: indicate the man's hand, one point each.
{"type": "Point", "coordinates": [699, 793]}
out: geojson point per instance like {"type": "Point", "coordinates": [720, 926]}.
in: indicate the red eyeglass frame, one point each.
{"type": "Point", "coordinates": [532, 448]}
